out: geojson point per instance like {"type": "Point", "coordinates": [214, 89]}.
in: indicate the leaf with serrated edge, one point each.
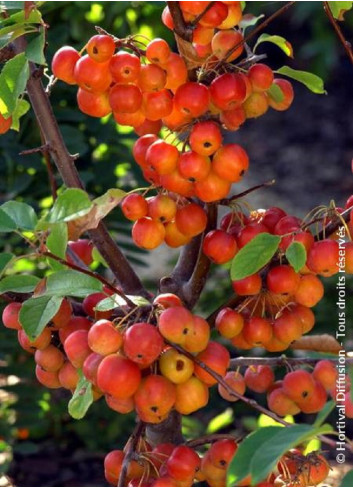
{"type": "Point", "coordinates": [82, 398]}
{"type": "Point", "coordinates": [311, 81]}
{"type": "Point", "coordinates": [254, 255]}
{"type": "Point", "coordinates": [36, 313]}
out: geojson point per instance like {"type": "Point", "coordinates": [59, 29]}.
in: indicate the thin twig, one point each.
{"type": "Point", "coordinates": [253, 33]}
{"type": "Point", "coordinates": [205, 440]}
{"type": "Point", "coordinates": [346, 44]}
{"type": "Point", "coordinates": [90, 274]}
{"type": "Point", "coordinates": [246, 192]}
{"type": "Point", "coordinates": [280, 361]}
{"type": "Point", "coordinates": [334, 225]}
{"type": "Point", "coordinates": [199, 17]}
{"type": "Point", "coordinates": [131, 449]}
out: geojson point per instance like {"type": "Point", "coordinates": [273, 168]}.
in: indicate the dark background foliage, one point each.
{"type": "Point", "coordinates": [308, 150]}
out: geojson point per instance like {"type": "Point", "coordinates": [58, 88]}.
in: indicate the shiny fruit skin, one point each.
{"type": "Point", "coordinates": [219, 246]}
{"type": "Point", "coordinates": [148, 127]}
{"type": "Point", "coordinates": [162, 208]}
{"type": "Point", "coordinates": [281, 404]}
{"type": "Point", "coordinates": [323, 257]}
{"type": "Point", "coordinates": [83, 248]}
{"type": "Point", "coordinates": [125, 98]}
{"type": "Point", "coordinates": [205, 138]}
{"type": "Point", "coordinates": [122, 406]}
{"type": "Point", "coordinates": [197, 338]}
{"type": "Point", "coordinates": [216, 357]}
{"type": "Point", "coordinates": [100, 48]}
{"type": "Point", "coordinates": [325, 373]}
{"type": "Point", "coordinates": [119, 377]}
{"type": "Point", "coordinates": [256, 105]}
{"type": "Point", "coordinates": [68, 376]}
{"type": "Point", "coordinates": [251, 285]}
{"type": "Point", "coordinates": [10, 315]}
{"type": "Point", "coordinates": [175, 366]}
{"type": "Point", "coordinates": [140, 147]}
{"type": "Point", "coordinates": [283, 280]}
{"type": "Point", "coordinates": [157, 105]}
{"type": "Point", "coordinates": [287, 90]}
{"type": "Point", "coordinates": [305, 315]}
{"type": "Point", "coordinates": [90, 302]}
{"type": "Point", "coordinates": [221, 453]}
{"type": "Point", "coordinates": [173, 237]}
{"type": "Point", "coordinates": [92, 76]}
{"type": "Point", "coordinates": [228, 91]}
{"type": "Point", "coordinates": [191, 396]}
{"type": "Point", "coordinates": [230, 162]}
{"type": "Point", "coordinates": [229, 323]}
{"type": "Point", "coordinates": [162, 157]}
{"type": "Point", "coordinates": [93, 104]}
{"type": "Point", "coordinates": [151, 78]}
{"type": "Point", "coordinates": [63, 64]}
{"type": "Point", "coordinates": [143, 343]}
{"type": "Point", "coordinates": [158, 51]}
{"type": "Point", "coordinates": [236, 382]}
{"type": "Point", "coordinates": [215, 15]}
{"type": "Point", "coordinates": [224, 41]}
{"type": "Point", "coordinates": [194, 166]}
{"type": "Point", "coordinates": [124, 67]}
{"type": "Point", "coordinates": [104, 338]}
{"type": "Point", "coordinates": [298, 385]}
{"type": "Point", "coordinates": [134, 207]}
{"type": "Point", "coordinates": [51, 359]}
{"type": "Point", "coordinates": [257, 331]}
{"type": "Point", "coordinates": [191, 219]}
{"type": "Point", "coordinates": [233, 119]}
{"type": "Point", "coordinates": [148, 233]}
{"type": "Point", "coordinates": [90, 367]}
{"type": "Point", "coordinates": [212, 188]}
{"type": "Point", "coordinates": [259, 378]}
{"type": "Point", "coordinates": [155, 397]}
{"type": "Point", "coordinates": [183, 463]}
{"type": "Point", "coordinates": [76, 347]}
{"type": "Point", "coordinates": [271, 217]}
{"type": "Point", "coordinates": [310, 291]}
{"type": "Point", "coordinates": [40, 343]}
{"type": "Point", "coordinates": [192, 99]}
{"type": "Point", "coordinates": [175, 323]}
{"type": "Point", "coordinates": [48, 379]}
{"type": "Point", "coordinates": [315, 401]}
{"type": "Point", "coordinates": [75, 323]}
{"type": "Point", "coordinates": [249, 232]}
{"type": "Point", "coordinates": [167, 300]}
{"type": "Point", "coordinates": [287, 327]}
{"type": "Point", "coordinates": [261, 77]}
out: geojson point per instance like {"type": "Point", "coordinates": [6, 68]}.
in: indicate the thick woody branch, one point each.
{"type": "Point", "coordinates": [181, 28]}
{"type": "Point", "coordinates": [131, 447]}
{"type": "Point", "coordinates": [101, 238]}
{"type": "Point", "coordinates": [169, 431]}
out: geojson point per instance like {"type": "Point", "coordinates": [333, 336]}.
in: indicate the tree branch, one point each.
{"type": "Point", "coordinates": [346, 44]}
{"type": "Point", "coordinates": [334, 225]}
{"type": "Point", "coordinates": [101, 238]}
{"type": "Point", "coordinates": [180, 26]}
{"type": "Point", "coordinates": [246, 192]}
{"type": "Point", "coordinates": [131, 449]}
{"type": "Point", "coordinates": [280, 361]}
{"type": "Point", "coordinates": [169, 431]}
{"type": "Point", "coordinates": [205, 440]}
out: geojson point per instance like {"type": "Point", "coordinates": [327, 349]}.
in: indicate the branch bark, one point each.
{"type": "Point", "coordinates": [280, 361]}
{"type": "Point", "coordinates": [180, 26]}
{"type": "Point", "coordinates": [346, 44]}
{"type": "Point", "coordinates": [64, 162]}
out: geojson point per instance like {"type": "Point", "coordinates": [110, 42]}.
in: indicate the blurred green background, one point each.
{"type": "Point", "coordinates": [39, 443]}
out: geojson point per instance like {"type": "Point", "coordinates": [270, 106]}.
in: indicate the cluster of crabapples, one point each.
{"type": "Point", "coordinates": [167, 465]}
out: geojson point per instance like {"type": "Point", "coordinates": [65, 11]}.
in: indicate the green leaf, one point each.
{"type": "Point", "coordinates": [268, 454]}
{"type": "Point", "coordinates": [10, 34]}
{"type": "Point", "coordinates": [239, 467]}
{"type": "Point", "coordinates": [57, 243]}
{"type": "Point", "coordinates": [276, 93]}
{"type": "Point", "coordinates": [296, 255]}
{"type": "Point", "coordinates": [338, 9]}
{"type": "Point", "coordinates": [248, 20]}
{"type": "Point", "coordinates": [5, 259]}
{"type": "Point", "coordinates": [347, 480]}
{"type": "Point", "coordinates": [22, 107]}
{"type": "Point", "coordinates": [36, 313]}
{"type": "Point", "coordinates": [221, 421]}
{"type": "Point", "coordinates": [70, 282]}
{"type": "Point", "coordinates": [254, 255]}
{"type": "Point", "coordinates": [71, 204]}
{"type": "Point", "coordinates": [116, 301]}
{"type": "Point", "coordinates": [22, 214]}
{"type": "Point", "coordinates": [279, 41]}
{"type": "Point", "coordinates": [324, 413]}
{"type": "Point", "coordinates": [13, 80]}
{"type": "Point", "coordinates": [35, 48]}
{"type": "Point", "coordinates": [18, 283]}
{"type": "Point", "coordinates": [6, 223]}
{"type": "Point", "coordinates": [311, 81]}
{"type": "Point", "coordinates": [81, 399]}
